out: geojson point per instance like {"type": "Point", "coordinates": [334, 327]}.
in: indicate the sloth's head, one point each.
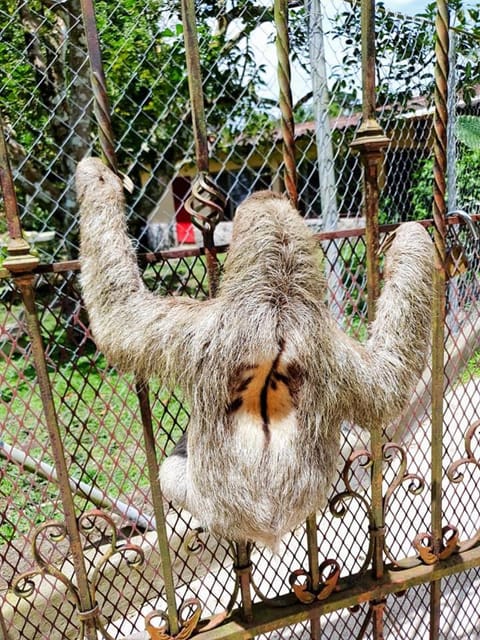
{"type": "Point", "coordinates": [272, 244]}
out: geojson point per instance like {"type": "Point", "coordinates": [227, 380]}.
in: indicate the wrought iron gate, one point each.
{"type": "Point", "coordinates": [88, 545]}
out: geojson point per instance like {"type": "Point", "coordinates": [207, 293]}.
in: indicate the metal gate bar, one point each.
{"type": "Point", "coordinates": [353, 590]}
{"type": "Point", "coordinates": [21, 265]}
{"type": "Point", "coordinates": [439, 292]}
{"type": "Point", "coordinates": [106, 136]}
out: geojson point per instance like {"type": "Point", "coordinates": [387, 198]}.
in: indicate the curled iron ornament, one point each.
{"type": "Point", "coordinates": [56, 532]}
{"type": "Point", "coordinates": [460, 255]}
{"type": "Point", "coordinates": [24, 585]}
{"type": "Point", "coordinates": [206, 203]}
{"type": "Point", "coordinates": [157, 622]}
{"type": "Point", "coordinates": [362, 458]}
{"type": "Point", "coordinates": [456, 476]}
{"type": "Point", "coordinates": [188, 623]}
{"type": "Point", "coordinates": [193, 544]}
{"type": "Point", "coordinates": [339, 503]}
{"type": "Point", "coordinates": [306, 592]}
{"type": "Point", "coordinates": [416, 484]}
{"type": "Point", "coordinates": [453, 474]}
{"type": "Point", "coordinates": [423, 544]}
{"type": "Point", "coordinates": [132, 554]}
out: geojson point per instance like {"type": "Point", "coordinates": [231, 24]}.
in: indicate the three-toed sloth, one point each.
{"type": "Point", "coordinates": [268, 374]}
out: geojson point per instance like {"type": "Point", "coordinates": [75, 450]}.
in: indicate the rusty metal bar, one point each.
{"type": "Point", "coordinates": [439, 286]}
{"type": "Point", "coordinates": [370, 142]}
{"type": "Point", "coordinates": [21, 264]}
{"type": "Point", "coordinates": [158, 510]}
{"type": "Point", "coordinates": [243, 568]}
{"type": "Point", "coordinates": [314, 569]}
{"type": "Point", "coordinates": [195, 84]}
{"type": "Point", "coordinates": [369, 103]}
{"type": "Point", "coordinates": [285, 98]}
{"type": "Point", "coordinates": [378, 610]}
{"type": "Point", "coordinates": [351, 591]}
{"type": "Point", "coordinates": [195, 87]}
{"type": "Point", "coordinates": [161, 256]}
{"type": "Point", "coordinates": [101, 102]}
{"type": "Point", "coordinates": [102, 112]}
{"type": "Point", "coordinates": [206, 204]}
{"type": "Point", "coordinates": [18, 249]}
{"type": "Point", "coordinates": [25, 284]}
{"type": "Point", "coordinates": [8, 189]}
{"type": "Point", "coordinates": [290, 176]}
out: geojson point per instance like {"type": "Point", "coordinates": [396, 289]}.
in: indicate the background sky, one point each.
{"type": "Point", "coordinates": [406, 6]}
{"type": "Point", "coordinates": [266, 54]}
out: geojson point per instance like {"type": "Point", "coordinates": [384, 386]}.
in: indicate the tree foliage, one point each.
{"type": "Point", "coordinates": [46, 98]}
{"type": "Point", "coordinates": [405, 48]}
{"type": "Point", "coordinates": [468, 131]}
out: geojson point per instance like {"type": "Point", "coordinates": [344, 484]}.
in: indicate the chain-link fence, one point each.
{"type": "Point", "coordinates": [84, 544]}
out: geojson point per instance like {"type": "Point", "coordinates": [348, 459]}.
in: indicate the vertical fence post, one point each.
{"type": "Point", "coordinates": [102, 112]}
{"type": "Point", "coordinates": [439, 284]}
{"type": "Point", "coordinates": [101, 104]}
{"type": "Point", "coordinates": [288, 134]}
{"type": "Point", "coordinates": [21, 265]}
{"type": "Point", "coordinates": [284, 76]}
{"type": "Point", "coordinates": [371, 142]}
{"type": "Point", "coordinates": [157, 500]}
{"type": "Point", "coordinates": [204, 191]}
{"type": "Point", "coordinates": [195, 86]}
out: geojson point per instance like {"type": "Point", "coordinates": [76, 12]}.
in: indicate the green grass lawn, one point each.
{"type": "Point", "coordinates": [101, 431]}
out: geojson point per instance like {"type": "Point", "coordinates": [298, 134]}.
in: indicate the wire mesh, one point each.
{"type": "Point", "coordinates": [48, 106]}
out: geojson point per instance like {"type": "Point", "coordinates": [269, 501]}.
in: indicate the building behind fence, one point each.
{"type": "Point", "coordinates": [87, 544]}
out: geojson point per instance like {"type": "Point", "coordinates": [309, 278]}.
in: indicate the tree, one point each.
{"type": "Point", "coordinates": [47, 103]}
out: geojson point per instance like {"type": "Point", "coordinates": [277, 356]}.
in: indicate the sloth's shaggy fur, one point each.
{"type": "Point", "coordinates": [267, 372]}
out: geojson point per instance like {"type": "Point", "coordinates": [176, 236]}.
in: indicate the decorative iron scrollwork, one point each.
{"type": "Point", "coordinates": [423, 543]}
{"type": "Point", "coordinates": [461, 254]}
{"type": "Point", "coordinates": [188, 616]}
{"type": "Point", "coordinates": [339, 504]}
{"type": "Point", "coordinates": [24, 585]}
{"type": "Point", "coordinates": [193, 544]}
{"type": "Point", "coordinates": [362, 459]}
{"type": "Point", "coordinates": [453, 474]}
{"type": "Point", "coordinates": [456, 476]}
{"type": "Point", "coordinates": [393, 452]}
{"type": "Point", "coordinates": [307, 592]}
{"type": "Point", "coordinates": [55, 533]}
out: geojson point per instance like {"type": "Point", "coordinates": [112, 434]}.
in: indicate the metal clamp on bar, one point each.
{"type": "Point", "coordinates": [460, 256]}
{"type": "Point", "coordinates": [88, 615]}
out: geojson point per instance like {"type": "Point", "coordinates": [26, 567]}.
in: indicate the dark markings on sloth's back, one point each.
{"type": "Point", "coordinates": [268, 391]}
{"type": "Point", "coordinates": [264, 393]}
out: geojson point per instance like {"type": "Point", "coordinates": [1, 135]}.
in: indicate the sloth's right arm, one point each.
{"type": "Point", "coordinates": [137, 330]}
{"type": "Point", "coordinates": [379, 377]}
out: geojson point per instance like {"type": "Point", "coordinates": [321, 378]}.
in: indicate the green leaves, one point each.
{"type": "Point", "coordinates": [468, 131]}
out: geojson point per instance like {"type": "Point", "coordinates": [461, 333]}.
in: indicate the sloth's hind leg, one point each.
{"type": "Point", "coordinates": [173, 474]}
